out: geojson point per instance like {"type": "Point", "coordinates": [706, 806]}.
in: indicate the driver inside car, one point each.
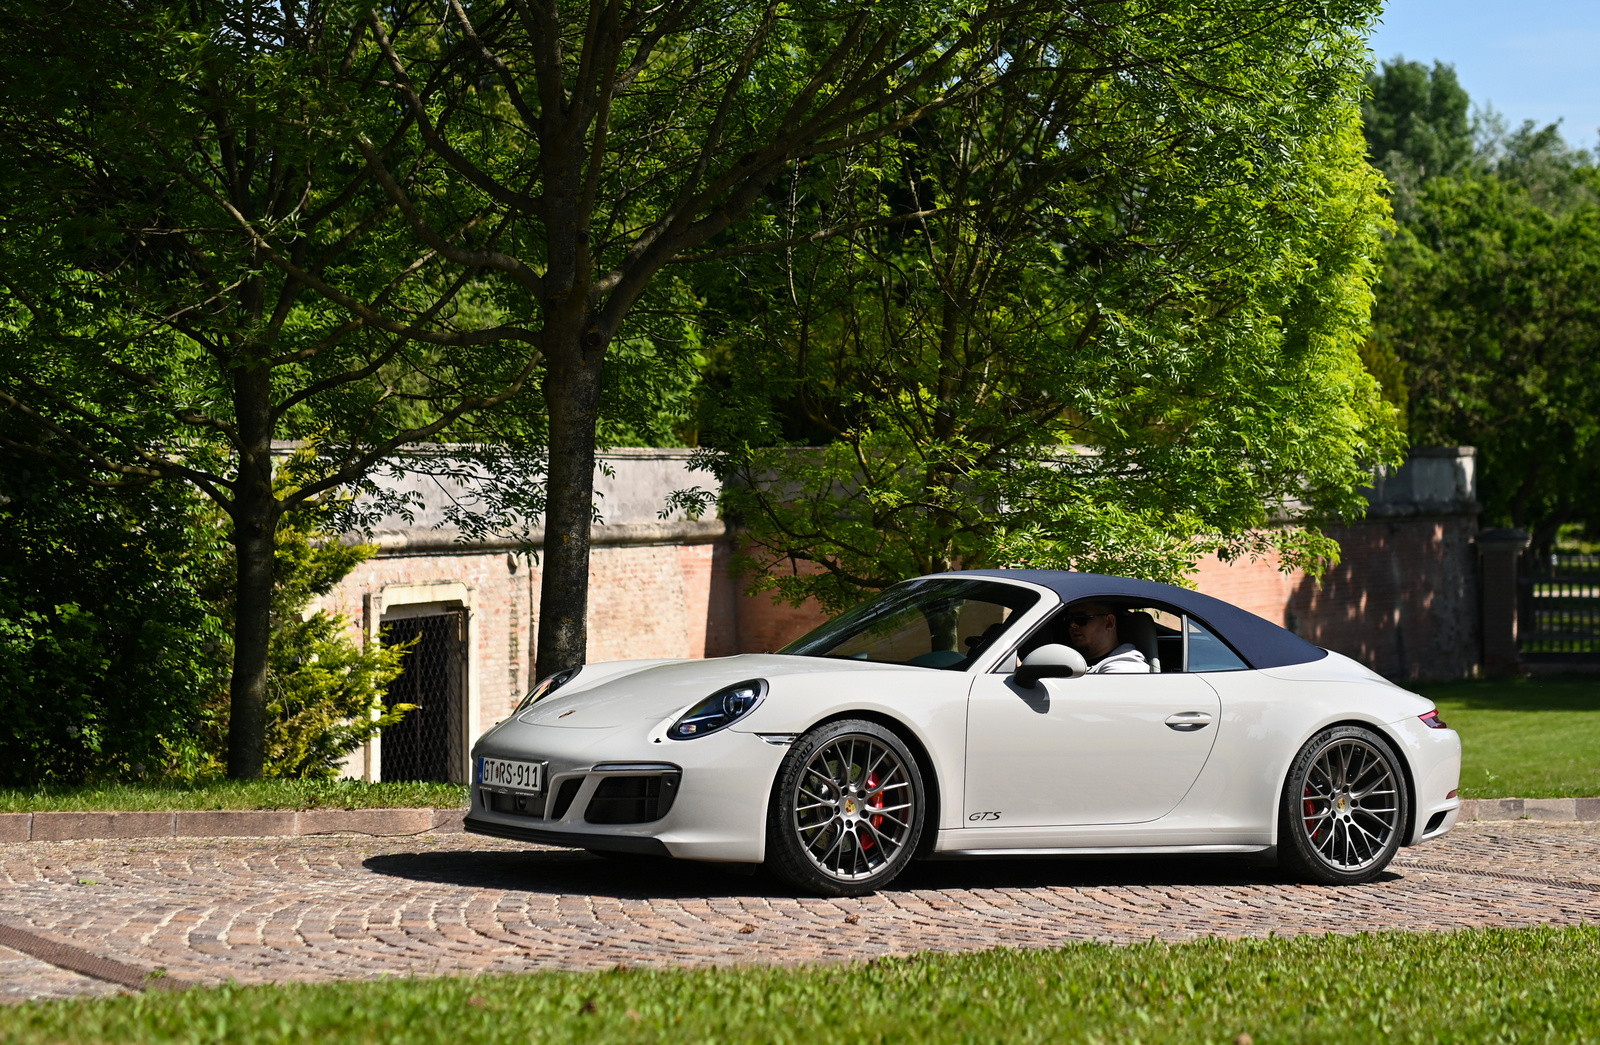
{"type": "Point", "coordinates": [1092, 631]}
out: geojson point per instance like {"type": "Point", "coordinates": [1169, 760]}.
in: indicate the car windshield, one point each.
{"type": "Point", "coordinates": [924, 623]}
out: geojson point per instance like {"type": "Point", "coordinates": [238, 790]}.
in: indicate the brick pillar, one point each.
{"type": "Point", "coordinates": [1498, 551]}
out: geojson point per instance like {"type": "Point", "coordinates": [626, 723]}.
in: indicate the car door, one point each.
{"type": "Point", "coordinates": [1101, 749]}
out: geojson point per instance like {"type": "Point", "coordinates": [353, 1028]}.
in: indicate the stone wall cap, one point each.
{"type": "Point", "coordinates": [1442, 451]}
{"type": "Point", "coordinates": [1406, 510]}
{"type": "Point", "coordinates": [445, 541]}
{"type": "Point", "coordinates": [1504, 535]}
{"type": "Point", "coordinates": [648, 453]}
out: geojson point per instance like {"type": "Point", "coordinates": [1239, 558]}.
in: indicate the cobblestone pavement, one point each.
{"type": "Point", "coordinates": [269, 910]}
{"type": "Point", "coordinates": [23, 977]}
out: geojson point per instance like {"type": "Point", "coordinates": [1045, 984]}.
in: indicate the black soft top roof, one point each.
{"type": "Point", "coordinates": [1259, 641]}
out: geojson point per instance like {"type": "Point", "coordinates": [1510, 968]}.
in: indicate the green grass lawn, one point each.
{"type": "Point", "coordinates": [1525, 738]}
{"type": "Point", "coordinates": [1475, 986]}
{"type": "Point", "coordinates": [235, 794]}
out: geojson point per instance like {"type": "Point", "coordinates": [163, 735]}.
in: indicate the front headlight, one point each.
{"type": "Point", "coordinates": [720, 710]}
{"type": "Point", "coordinates": [546, 686]}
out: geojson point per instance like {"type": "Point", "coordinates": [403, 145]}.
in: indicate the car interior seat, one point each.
{"type": "Point", "coordinates": [1171, 649]}
{"type": "Point", "coordinates": [1139, 628]}
{"type": "Point", "coordinates": [977, 644]}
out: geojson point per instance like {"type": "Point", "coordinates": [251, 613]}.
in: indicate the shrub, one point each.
{"type": "Point", "coordinates": [107, 650]}
{"type": "Point", "coordinates": [325, 690]}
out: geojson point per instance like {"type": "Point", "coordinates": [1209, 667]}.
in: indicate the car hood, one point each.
{"type": "Point", "coordinates": [652, 693]}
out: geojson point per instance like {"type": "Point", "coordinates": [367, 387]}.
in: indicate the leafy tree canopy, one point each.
{"type": "Point", "coordinates": [1094, 322]}
{"type": "Point", "coordinates": [108, 653]}
{"type": "Point", "coordinates": [1486, 315]}
{"type": "Point", "coordinates": [198, 261]}
{"type": "Point", "coordinates": [1416, 120]}
{"type": "Point", "coordinates": [1492, 302]}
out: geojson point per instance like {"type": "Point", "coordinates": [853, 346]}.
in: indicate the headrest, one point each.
{"type": "Point", "coordinates": [1139, 628]}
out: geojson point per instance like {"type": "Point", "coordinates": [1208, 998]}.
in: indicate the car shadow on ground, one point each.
{"type": "Point", "coordinates": [573, 872]}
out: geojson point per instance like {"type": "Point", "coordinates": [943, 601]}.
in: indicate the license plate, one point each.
{"type": "Point", "coordinates": [521, 776]}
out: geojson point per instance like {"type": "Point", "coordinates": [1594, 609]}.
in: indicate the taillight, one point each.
{"type": "Point", "coordinates": [1432, 720]}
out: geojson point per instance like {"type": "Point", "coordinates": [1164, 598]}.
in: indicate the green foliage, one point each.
{"type": "Point", "coordinates": [325, 690]}
{"type": "Point", "coordinates": [1415, 120]}
{"type": "Point", "coordinates": [1559, 178]}
{"type": "Point", "coordinates": [1500, 985]}
{"type": "Point", "coordinates": [115, 631]}
{"type": "Point", "coordinates": [1487, 312]}
{"type": "Point", "coordinates": [197, 260]}
{"type": "Point", "coordinates": [1114, 349]}
{"type": "Point", "coordinates": [1492, 302]}
{"type": "Point", "coordinates": [107, 653]}
{"type": "Point", "coordinates": [1389, 370]}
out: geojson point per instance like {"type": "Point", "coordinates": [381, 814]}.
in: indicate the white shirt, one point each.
{"type": "Point", "coordinates": [1124, 660]}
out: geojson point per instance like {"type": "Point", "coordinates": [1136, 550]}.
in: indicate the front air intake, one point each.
{"type": "Point", "coordinates": [636, 799]}
{"type": "Point", "coordinates": [564, 797]}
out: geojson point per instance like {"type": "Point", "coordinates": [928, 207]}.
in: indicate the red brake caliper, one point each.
{"type": "Point", "coordinates": [875, 803]}
{"type": "Point", "coordinates": [1311, 815]}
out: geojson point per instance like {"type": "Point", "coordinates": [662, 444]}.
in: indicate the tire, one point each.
{"type": "Point", "coordinates": [1344, 808]}
{"type": "Point", "coordinates": [847, 810]}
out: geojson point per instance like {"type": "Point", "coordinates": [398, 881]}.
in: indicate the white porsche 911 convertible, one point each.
{"type": "Point", "coordinates": [952, 716]}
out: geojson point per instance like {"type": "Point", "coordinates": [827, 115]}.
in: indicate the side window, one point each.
{"type": "Point", "coordinates": [1209, 653]}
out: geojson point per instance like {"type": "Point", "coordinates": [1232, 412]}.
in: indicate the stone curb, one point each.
{"type": "Point", "coordinates": [275, 823]}
{"type": "Point", "coordinates": [225, 823]}
{"type": "Point", "coordinates": [1530, 809]}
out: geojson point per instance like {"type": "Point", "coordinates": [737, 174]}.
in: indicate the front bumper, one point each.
{"type": "Point", "coordinates": [571, 839]}
{"type": "Point", "coordinates": [707, 797]}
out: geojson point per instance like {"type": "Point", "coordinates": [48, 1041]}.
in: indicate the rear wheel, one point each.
{"type": "Point", "coordinates": [847, 810]}
{"type": "Point", "coordinates": [1344, 807]}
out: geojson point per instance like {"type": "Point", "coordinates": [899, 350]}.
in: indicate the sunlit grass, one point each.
{"type": "Point", "coordinates": [1474, 986]}
{"type": "Point", "coordinates": [1525, 738]}
{"type": "Point", "coordinates": [236, 794]}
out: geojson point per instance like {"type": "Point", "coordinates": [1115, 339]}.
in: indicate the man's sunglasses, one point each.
{"type": "Point", "coordinates": [1079, 620]}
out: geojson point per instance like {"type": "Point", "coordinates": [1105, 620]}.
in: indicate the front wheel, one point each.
{"type": "Point", "coordinates": [846, 811]}
{"type": "Point", "coordinates": [1344, 807]}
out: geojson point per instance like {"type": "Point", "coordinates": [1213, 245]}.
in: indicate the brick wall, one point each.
{"type": "Point", "coordinates": [1403, 600]}
{"type": "Point", "coordinates": [766, 625]}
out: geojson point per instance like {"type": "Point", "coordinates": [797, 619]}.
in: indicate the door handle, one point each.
{"type": "Point", "coordinates": [1189, 721]}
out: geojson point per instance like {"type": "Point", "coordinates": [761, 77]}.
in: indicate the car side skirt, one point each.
{"type": "Point", "coordinates": [1116, 850]}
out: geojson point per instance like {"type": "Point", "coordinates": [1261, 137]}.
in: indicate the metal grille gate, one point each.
{"type": "Point", "coordinates": [428, 743]}
{"type": "Point", "coordinates": [1558, 616]}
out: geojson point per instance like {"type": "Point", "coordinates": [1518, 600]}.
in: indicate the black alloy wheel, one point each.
{"type": "Point", "coordinates": [847, 809]}
{"type": "Point", "coordinates": [1344, 807]}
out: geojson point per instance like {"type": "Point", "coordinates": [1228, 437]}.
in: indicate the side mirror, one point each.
{"type": "Point", "coordinates": [1051, 662]}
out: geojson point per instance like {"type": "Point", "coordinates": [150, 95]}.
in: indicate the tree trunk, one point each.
{"type": "Point", "coordinates": [255, 523]}
{"type": "Point", "coordinates": [572, 395]}
{"type": "Point", "coordinates": [1542, 538]}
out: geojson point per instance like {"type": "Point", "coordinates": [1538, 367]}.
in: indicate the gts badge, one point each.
{"type": "Point", "coordinates": [976, 817]}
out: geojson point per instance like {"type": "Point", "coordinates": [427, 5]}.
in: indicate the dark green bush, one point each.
{"type": "Point", "coordinates": [107, 652]}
